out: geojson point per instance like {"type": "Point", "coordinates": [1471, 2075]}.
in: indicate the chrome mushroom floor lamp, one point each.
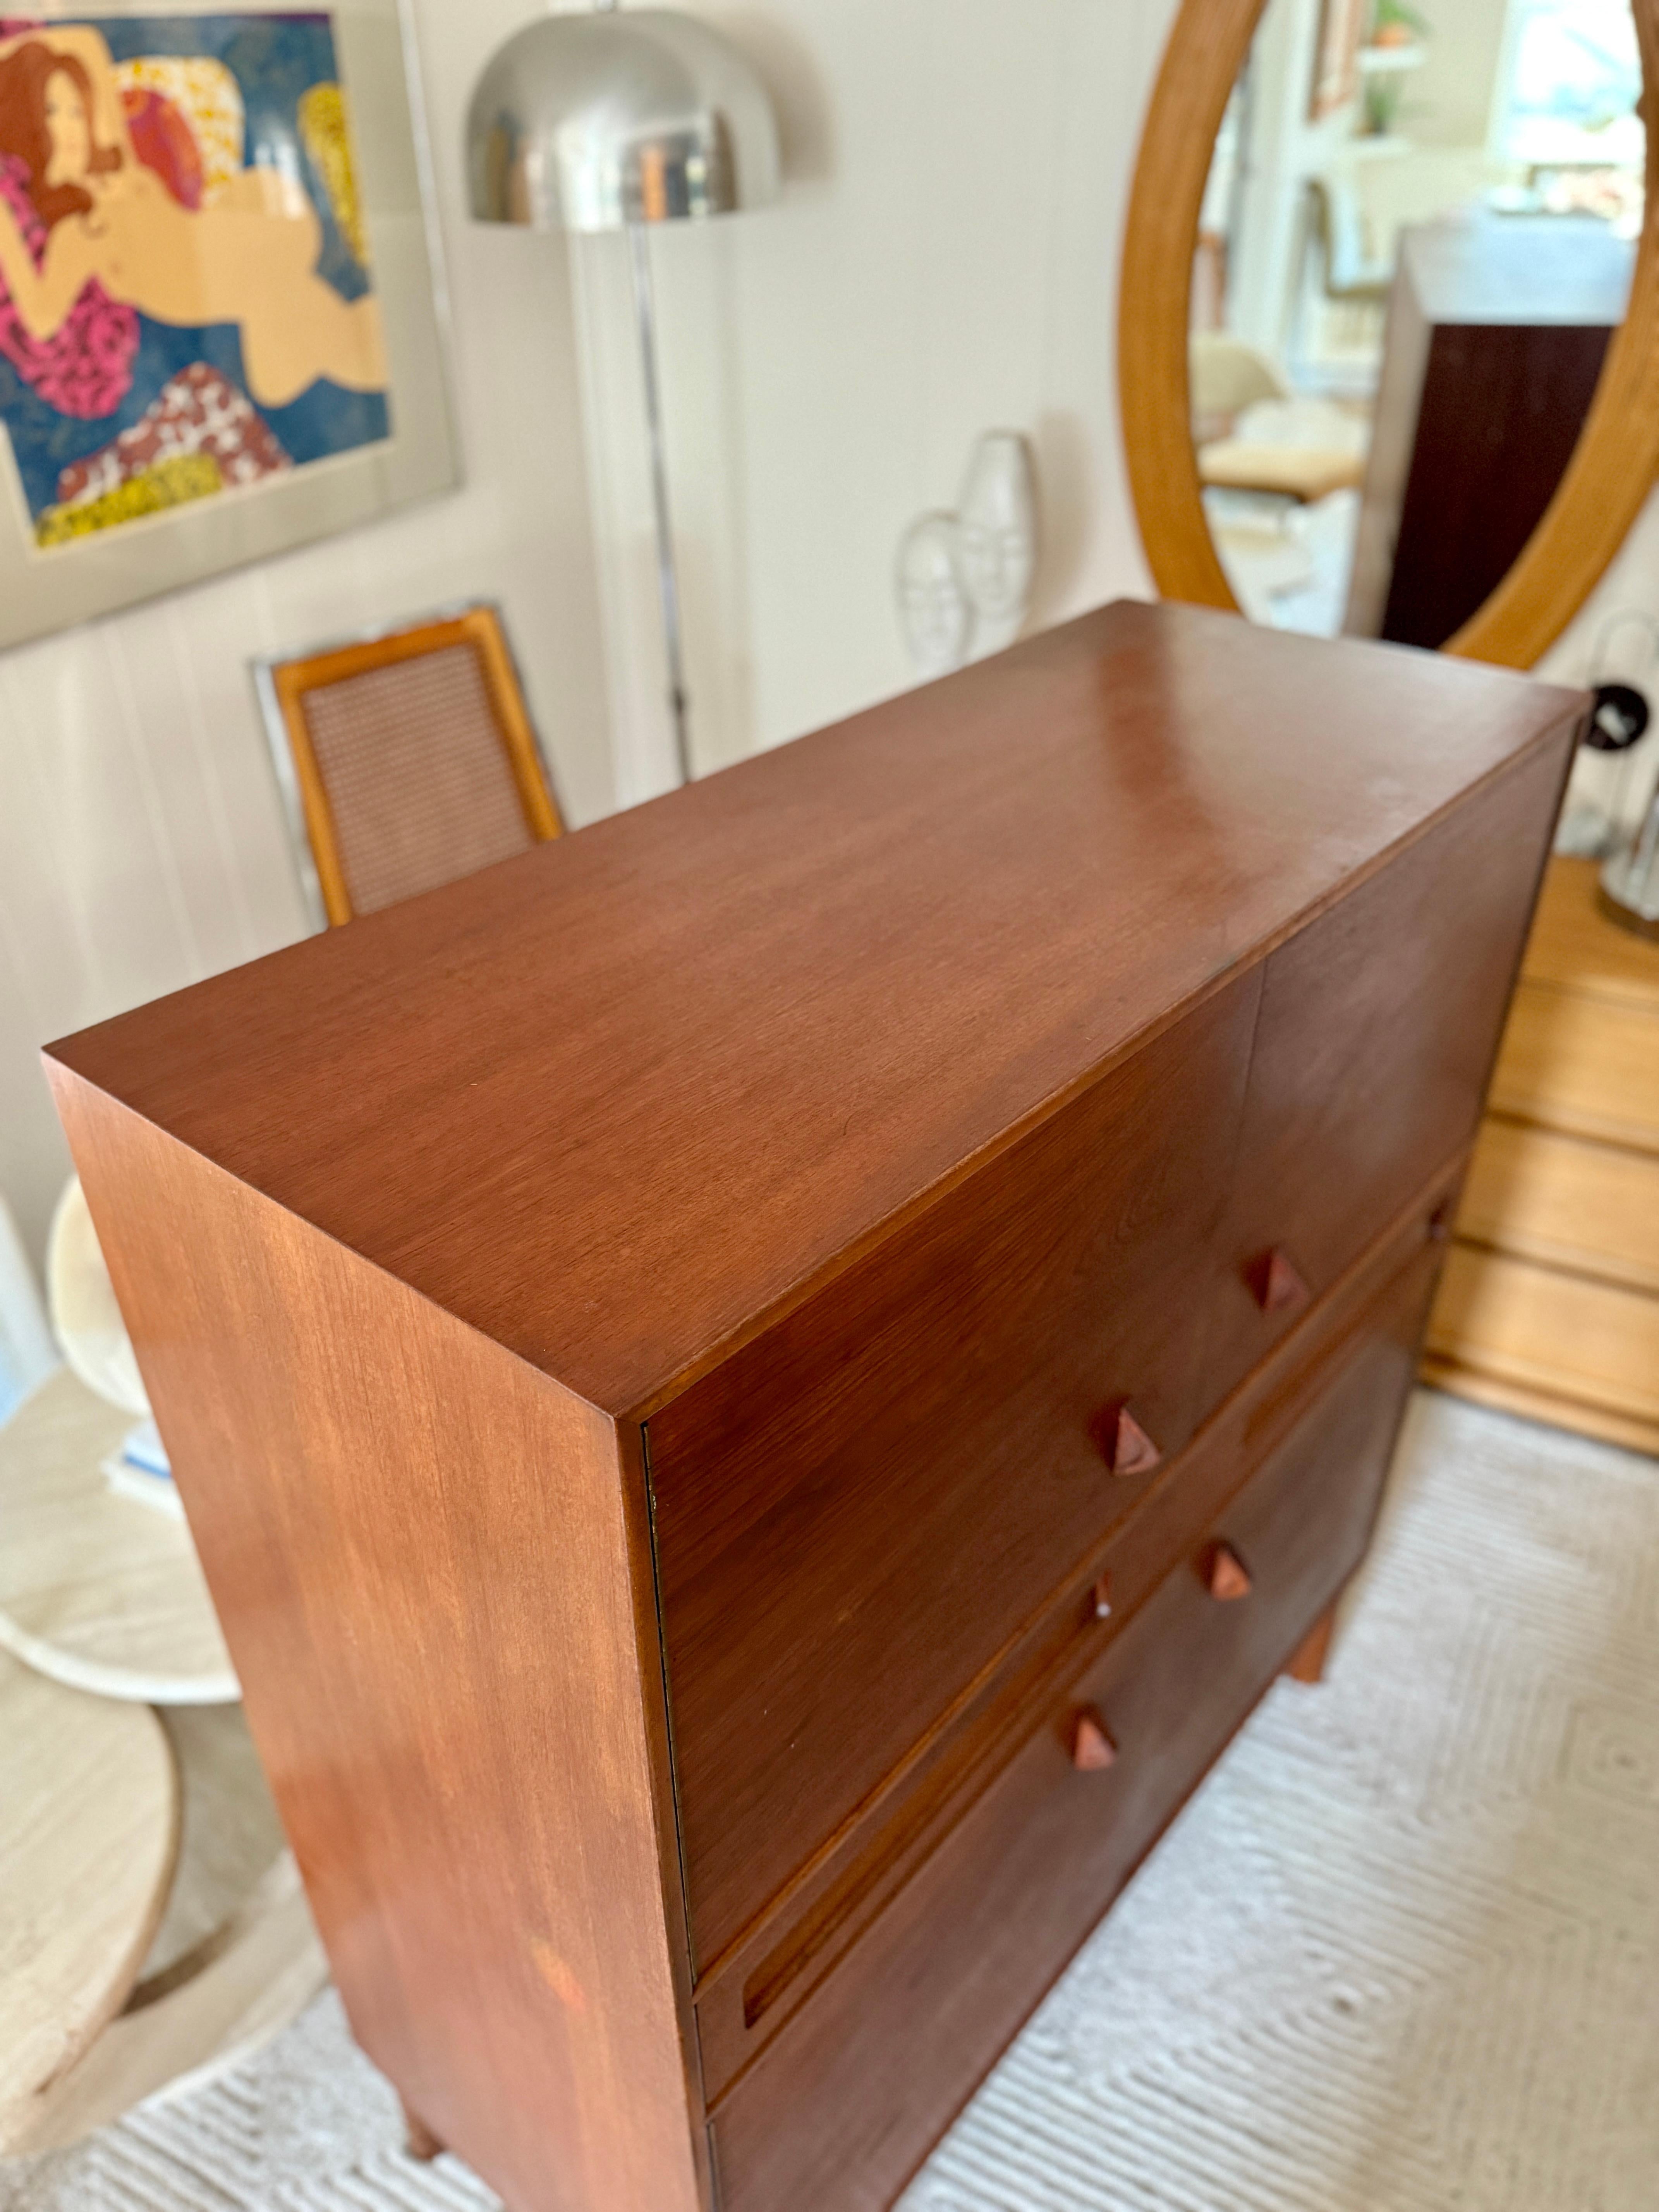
{"type": "Point", "coordinates": [614, 120]}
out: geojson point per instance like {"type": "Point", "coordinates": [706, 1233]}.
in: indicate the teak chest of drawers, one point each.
{"type": "Point", "coordinates": [761, 1389]}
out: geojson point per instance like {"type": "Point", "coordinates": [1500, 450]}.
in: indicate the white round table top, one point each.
{"type": "Point", "coordinates": [232, 1839]}
{"type": "Point", "coordinates": [234, 1958]}
{"type": "Point", "coordinates": [100, 1591]}
{"type": "Point", "coordinates": [89, 1817]}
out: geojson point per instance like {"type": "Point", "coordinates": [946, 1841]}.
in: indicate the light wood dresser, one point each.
{"type": "Point", "coordinates": [1550, 1305]}
{"type": "Point", "coordinates": [763, 1388]}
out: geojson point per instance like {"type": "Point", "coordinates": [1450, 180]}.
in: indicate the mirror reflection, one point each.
{"type": "Point", "coordinates": [1417, 240]}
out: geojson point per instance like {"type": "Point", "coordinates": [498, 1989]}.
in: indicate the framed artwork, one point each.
{"type": "Point", "coordinates": [1336, 57]}
{"type": "Point", "coordinates": [218, 329]}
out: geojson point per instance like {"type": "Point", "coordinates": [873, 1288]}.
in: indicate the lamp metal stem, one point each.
{"type": "Point", "coordinates": [667, 579]}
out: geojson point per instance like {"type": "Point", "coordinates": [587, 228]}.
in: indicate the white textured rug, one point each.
{"type": "Point", "coordinates": [1401, 1953]}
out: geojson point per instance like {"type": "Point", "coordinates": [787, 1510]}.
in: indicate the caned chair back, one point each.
{"type": "Point", "coordinates": [406, 761]}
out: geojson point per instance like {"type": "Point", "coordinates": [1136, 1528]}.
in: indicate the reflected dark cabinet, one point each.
{"type": "Point", "coordinates": [762, 1388]}
{"type": "Point", "coordinates": [1498, 329]}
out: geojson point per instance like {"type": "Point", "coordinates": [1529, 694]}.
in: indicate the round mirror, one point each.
{"type": "Point", "coordinates": [1388, 314]}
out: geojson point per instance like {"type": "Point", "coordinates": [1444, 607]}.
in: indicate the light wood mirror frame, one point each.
{"type": "Point", "coordinates": [1613, 467]}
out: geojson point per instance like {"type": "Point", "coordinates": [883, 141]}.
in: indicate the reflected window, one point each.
{"type": "Point", "coordinates": [1573, 81]}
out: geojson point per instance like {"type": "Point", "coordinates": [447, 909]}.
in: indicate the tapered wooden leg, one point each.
{"type": "Point", "coordinates": [1307, 1662]}
{"type": "Point", "coordinates": [418, 2139]}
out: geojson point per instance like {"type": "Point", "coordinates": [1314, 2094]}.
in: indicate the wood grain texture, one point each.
{"type": "Point", "coordinates": [1572, 1336]}
{"type": "Point", "coordinates": [856, 1511]}
{"type": "Point", "coordinates": [1532, 1404]}
{"type": "Point", "coordinates": [629, 1327]}
{"type": "Point", "coordinates": [1551, 1305]}
{"type": "Point", "coordinates": [1580, 1063]}
{"type": "Point", "coordinates": [360, 1471]}
{"type": "Point", "coordinates": [1208, 45]}
{"type": "Point", "coordinates": [100, 1591]}
{"type": "Point", "coordinates": [745, 1997]}
{"type": "Point", "coordinates": [1367, 1070]}
{"type": "Point", "coordinates": [1590, 1208]}
{"type": "Point", "coordinates": [89, 1838]}
{"type": "Point", "coordinates": [268, 1968]}
{"type": "Point", "coordinates": [1574, 946]}
{"type": "Point", "coordinates": [974, 1941]}
{"type": "Point", "coordinates": [705, 1052]}
{"type": "Point", "coordinates": [1612, 465]}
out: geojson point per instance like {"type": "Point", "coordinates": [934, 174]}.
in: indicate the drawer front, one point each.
{"type": "Point", "coordinates": [784, 1954]}
{"type": "Point", "coordinates": [1378, 1026]}
{"type": "Point", "coordinates": [1565, 1203]}
{"type": "Point", "coordinates": [839, 2108]}
{"type": "Point", "coordinates": [1566, 1334]}
{"type": "Point", "coordinates": [856, 1511]}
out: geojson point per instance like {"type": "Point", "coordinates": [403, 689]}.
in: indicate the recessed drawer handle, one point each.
{"type": "Point", "coordinates": [1125, 1445]}
{"type": "Point", "coordinates": [1277, 1285]}
{"type": "Point", "coordinates": [1092, 1749]}
{"type": "Point", "coordinates": [1227, 1577]}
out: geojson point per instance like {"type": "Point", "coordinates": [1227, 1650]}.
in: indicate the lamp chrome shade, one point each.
{"type": "Point", "coordinates": [589, 122]}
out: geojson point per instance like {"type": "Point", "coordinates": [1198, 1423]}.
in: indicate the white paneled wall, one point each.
{"type": "Point", "coordinates": [943, 263]}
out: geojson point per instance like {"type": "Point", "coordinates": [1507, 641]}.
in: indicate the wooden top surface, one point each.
{"type": "Point", "coordinates": [100, 1591]}
{"type": "Point", "coordinates": [88, 1835]}
{"type": "Point", "coordinates": [614, 1101]}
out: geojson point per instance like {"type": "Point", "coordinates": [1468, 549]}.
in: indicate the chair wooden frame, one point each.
{"type": "Point", "coordinates": [283, 681]}
{"type": "Point", "coordinates": [1612, 469]}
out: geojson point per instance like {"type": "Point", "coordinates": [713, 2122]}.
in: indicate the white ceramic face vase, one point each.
{"type": "Point", "coordinates": [933, 610]}
{"type": "Point", "coordinates": [998, 527]}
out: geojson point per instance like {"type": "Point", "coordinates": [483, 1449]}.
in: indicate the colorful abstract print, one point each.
{"type": "Point", "coordinates": [181, 317]}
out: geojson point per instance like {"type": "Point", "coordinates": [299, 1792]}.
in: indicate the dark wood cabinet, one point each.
{"type": "Point", "coordinates": [1498, 326]}
{"type": "Point", "coordinates": [762, 1388]}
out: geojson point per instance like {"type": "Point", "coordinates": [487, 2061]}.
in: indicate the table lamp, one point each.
{"type": "Point", "coordinates": [611, 121]}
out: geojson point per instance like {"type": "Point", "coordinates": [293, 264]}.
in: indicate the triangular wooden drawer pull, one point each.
{"type": "Point", "coordinates": [1227, 1577]}
{"type": "Point", "coordinates": [1277, 1285]}
{"type": "Point", "coordinates": [1125, 1445]}
{"type": "Point", "coordinates": [1092, 1749]}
